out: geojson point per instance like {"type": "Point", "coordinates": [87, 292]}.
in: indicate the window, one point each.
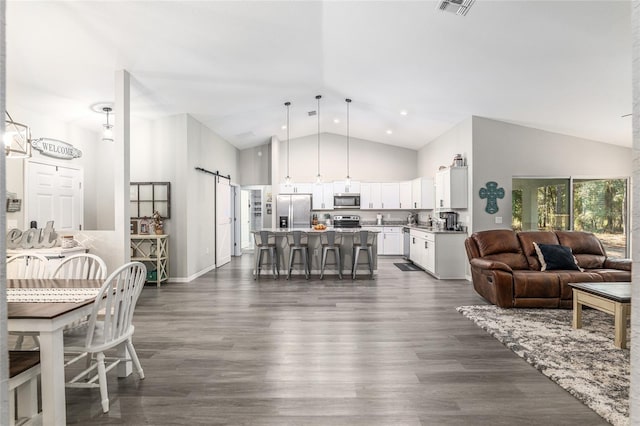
{"type": "Point", "coordinates": [147, 197]}
{"type": "Point", "coordinates": [599, 206]}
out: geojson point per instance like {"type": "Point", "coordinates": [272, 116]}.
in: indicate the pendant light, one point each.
{"type": "Point", "coordinates": [107, 132]}
{"type": "Point", "coordinates": [287, 180]}
{"type": "Point", "coordinates": [318, 177]}
{"type": "Point", "coordinates": [347, 181]}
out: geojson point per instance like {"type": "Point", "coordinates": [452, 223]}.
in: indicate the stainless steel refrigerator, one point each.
{"type": "Point", "coordinates": [293, 211]}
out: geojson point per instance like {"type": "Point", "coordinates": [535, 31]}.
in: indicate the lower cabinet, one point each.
{"type": "Point", "coordinates": [390, 239]}
{"type": "Point", "coordinates": [441, 254]}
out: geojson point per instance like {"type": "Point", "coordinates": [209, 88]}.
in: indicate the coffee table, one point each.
{"type": "Point", "coordinates": [613, 298]}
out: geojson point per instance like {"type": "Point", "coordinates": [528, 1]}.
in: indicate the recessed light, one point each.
{"type": "Point", "coordinates": [404, 112]}
{"type": "Point", "coordinates": [284, 127]}
{"type": "Point", "coordinates": [336, 120]}
{"type": "Point", "coordinates": [389, 131]}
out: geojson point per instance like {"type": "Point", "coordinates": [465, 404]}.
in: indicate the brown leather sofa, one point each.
{"type": "Point", "coordinates": [506, 270]}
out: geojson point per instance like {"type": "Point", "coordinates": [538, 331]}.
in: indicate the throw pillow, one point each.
{"type": "Point", "coordinates": [554, 257]}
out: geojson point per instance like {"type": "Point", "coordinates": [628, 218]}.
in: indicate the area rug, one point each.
{"type": "Point", "coordinates": [584, 362]}
{"type": "Point", "coordinates": [407, 267]}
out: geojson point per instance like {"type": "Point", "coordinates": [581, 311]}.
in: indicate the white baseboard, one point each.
{"type": "Point", "coordinates": [192, 277]}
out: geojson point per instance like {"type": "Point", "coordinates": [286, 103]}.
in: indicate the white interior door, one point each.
{"type": "Point", "coordinates": [223, 221]}
{"type": "Point", "coordinates": [54, 193]}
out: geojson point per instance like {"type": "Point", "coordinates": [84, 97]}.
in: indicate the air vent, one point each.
{"type": "Point", "coordinates": [459, 7]}
{"type": "Point", "coordinates": [312, 113]}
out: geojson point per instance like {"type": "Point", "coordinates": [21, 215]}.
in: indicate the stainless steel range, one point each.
{"type": "Point", "coordinates": [346, 221]}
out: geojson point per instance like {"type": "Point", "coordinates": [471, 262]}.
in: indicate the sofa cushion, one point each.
{"type": "Point", "coordinates": [567, 277]}
{"type": "Point", "coordinates": [501, 245]}
{"type": "Point", "coordinates": [527, 238]}
{"type": "Point", "coordinates": [556, 257]}
{"type": "Point", "coordinates": [613, 275]}
{"type": "Point", "coordinates": [586, 247]}
{"type": "Point", "coordinates": [535, 284]}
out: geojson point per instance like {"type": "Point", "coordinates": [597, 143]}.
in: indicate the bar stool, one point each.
{"type": "Point", "coordinates": [266, 242]}
{"type": "Point", "coordinates": [362, 243]}
{"type": "Point", "coordinates": [331, 240]}
{"type": "Point", "coordinates": [298, 240]}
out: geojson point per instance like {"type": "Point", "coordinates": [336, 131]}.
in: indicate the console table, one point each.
{"type": "Point", "coordinates": [152, 250]}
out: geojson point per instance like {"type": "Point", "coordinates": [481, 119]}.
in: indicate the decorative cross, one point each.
{"type": "Point", "coordinates": [491, 193]}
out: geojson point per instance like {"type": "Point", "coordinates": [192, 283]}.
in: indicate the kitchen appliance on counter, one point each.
{"type": "Point", "coordinates": [346, 221]}
{"type": "Point", "coordinates": [412, 219]}
{"type": "Point", "coordinates": [379, 219]}
{"type": "Point", "coordinates": [451, 220]}
{"type": "Point", "coordinates": [294, 210]}
{"type": "Point", "coordinates": [346, 201]}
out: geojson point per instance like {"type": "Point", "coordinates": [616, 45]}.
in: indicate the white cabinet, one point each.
{"type": "Point", "coordinates": [390, 196]}
{"type": "Point", "coordinates": [451, 188]}
{"type": "Point", "coordinates": [322, 196]}
{"type": "Point", "coordinates": [296, 188]}
{"type": "Point", "coordinates": [339, 187]}
{"type": "Point", "coordinates": [370, 196]}
{"type": "Point", "coordinates": [423, 193]}
{"type": "Point", "coordinates": [440, 254]}
{"type": "Point", "coordinates": [390, 240]}
{"type": "Point", "coordinates": [406, 195]}
{"type": "Point", "coordinates": [153, 251]}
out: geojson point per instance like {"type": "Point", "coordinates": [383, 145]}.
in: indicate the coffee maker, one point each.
{"type": "Point", "coordinates": [451, 220]}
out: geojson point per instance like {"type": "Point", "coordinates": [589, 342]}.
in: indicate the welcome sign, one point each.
{"type": "Point", "coordinates": [56, 149]}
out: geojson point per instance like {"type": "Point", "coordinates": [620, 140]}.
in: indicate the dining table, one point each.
{"type": "Point", "coordinates": [46, 307]}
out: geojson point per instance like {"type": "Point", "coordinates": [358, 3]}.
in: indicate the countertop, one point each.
{"type": "Point", "coordinates": [313, 231]}
{"type": "Point", "coordinates": [429, 229]}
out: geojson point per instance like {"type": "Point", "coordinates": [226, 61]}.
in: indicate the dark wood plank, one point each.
{"type": "Point", "coordinates": [228, 350]}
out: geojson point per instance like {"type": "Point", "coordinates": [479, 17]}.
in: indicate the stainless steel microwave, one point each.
{"type": "Point", "coordinates": [346, 201]}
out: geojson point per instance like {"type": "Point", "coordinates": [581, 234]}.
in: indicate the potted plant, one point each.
{"type": "Point", "coordinates": [157, 221]}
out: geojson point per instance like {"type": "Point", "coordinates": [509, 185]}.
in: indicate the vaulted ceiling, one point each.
{"type": "Point", "coordinates": [563, 66]}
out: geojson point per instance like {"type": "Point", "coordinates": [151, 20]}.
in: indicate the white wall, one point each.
{"type": "Point", "coordinates": [370, 161]}
{"type": "Point", "coordinates": [96, 162]}
{"type": "Point", "coordinates": [502, 151]}
{"type": "Point", "coordinates": [209, 151]}
{"type": "Point", "coordinates": [255, 165]}
{"type": "Point", "coordinates": [440, 152]}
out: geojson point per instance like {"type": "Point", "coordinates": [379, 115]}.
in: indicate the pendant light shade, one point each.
{"type": "Point", "coordinates": [347, 182]}
{"type": "Point", "coordinates": [318, 177]}
{"type": "Point", "coordinates": [287, 179]}
{"type": "Point", "coordinates": [107, 131]}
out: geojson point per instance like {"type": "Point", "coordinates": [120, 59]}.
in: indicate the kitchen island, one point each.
{"type": "Point", "coordinates": [315, 252]}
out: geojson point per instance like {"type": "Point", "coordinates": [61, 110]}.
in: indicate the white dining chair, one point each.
{"type": "Point", "coordinates": [81, 266]}
{"type": "Point", "coordinates": [24, 266]}
{"type": "Point", "coordinates": [109, 326]}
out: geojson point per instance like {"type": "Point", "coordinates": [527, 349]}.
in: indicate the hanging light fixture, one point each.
{"type": "Point", "coordinates": [347, 182]}
{"type": "Point", "coordinates": [287, 180]}
{"type": "Point", "coordinates": [17, 139]}
{"type": "Point", "coordinates": [318, 177]}
{"type": "Point", "coordinates": [107, 132]}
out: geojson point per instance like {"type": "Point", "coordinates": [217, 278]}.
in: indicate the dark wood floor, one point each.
{"type": "Point", "coordinates": [226, 350]}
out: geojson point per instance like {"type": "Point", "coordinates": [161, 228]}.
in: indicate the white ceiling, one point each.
{"type": "Point", "coordinates": [563, 66]}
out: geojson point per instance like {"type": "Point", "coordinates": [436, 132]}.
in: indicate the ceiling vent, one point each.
{"type": "Point", "coordinates": [312, 113]}
{"type": "Point", "coordinates": [459, 7]}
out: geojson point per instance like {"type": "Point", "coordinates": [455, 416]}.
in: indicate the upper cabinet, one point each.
{"type": "Point", "coordinates": [452, 188]}
{"type": "Point", "coordinates": [406, 201]}
{"type": "Point", "coordinates": [322, 196]}
{"type": "Point", "coordinates": [370, 196]}
{"type": "Point", "coordinates": [296, 188]}
{"type": "Point", "coordinates": [339, 187]}
{"type": "Point", "coordinates": [423, 193]}
{"type": "Point", "coordinates": [390, 195]}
